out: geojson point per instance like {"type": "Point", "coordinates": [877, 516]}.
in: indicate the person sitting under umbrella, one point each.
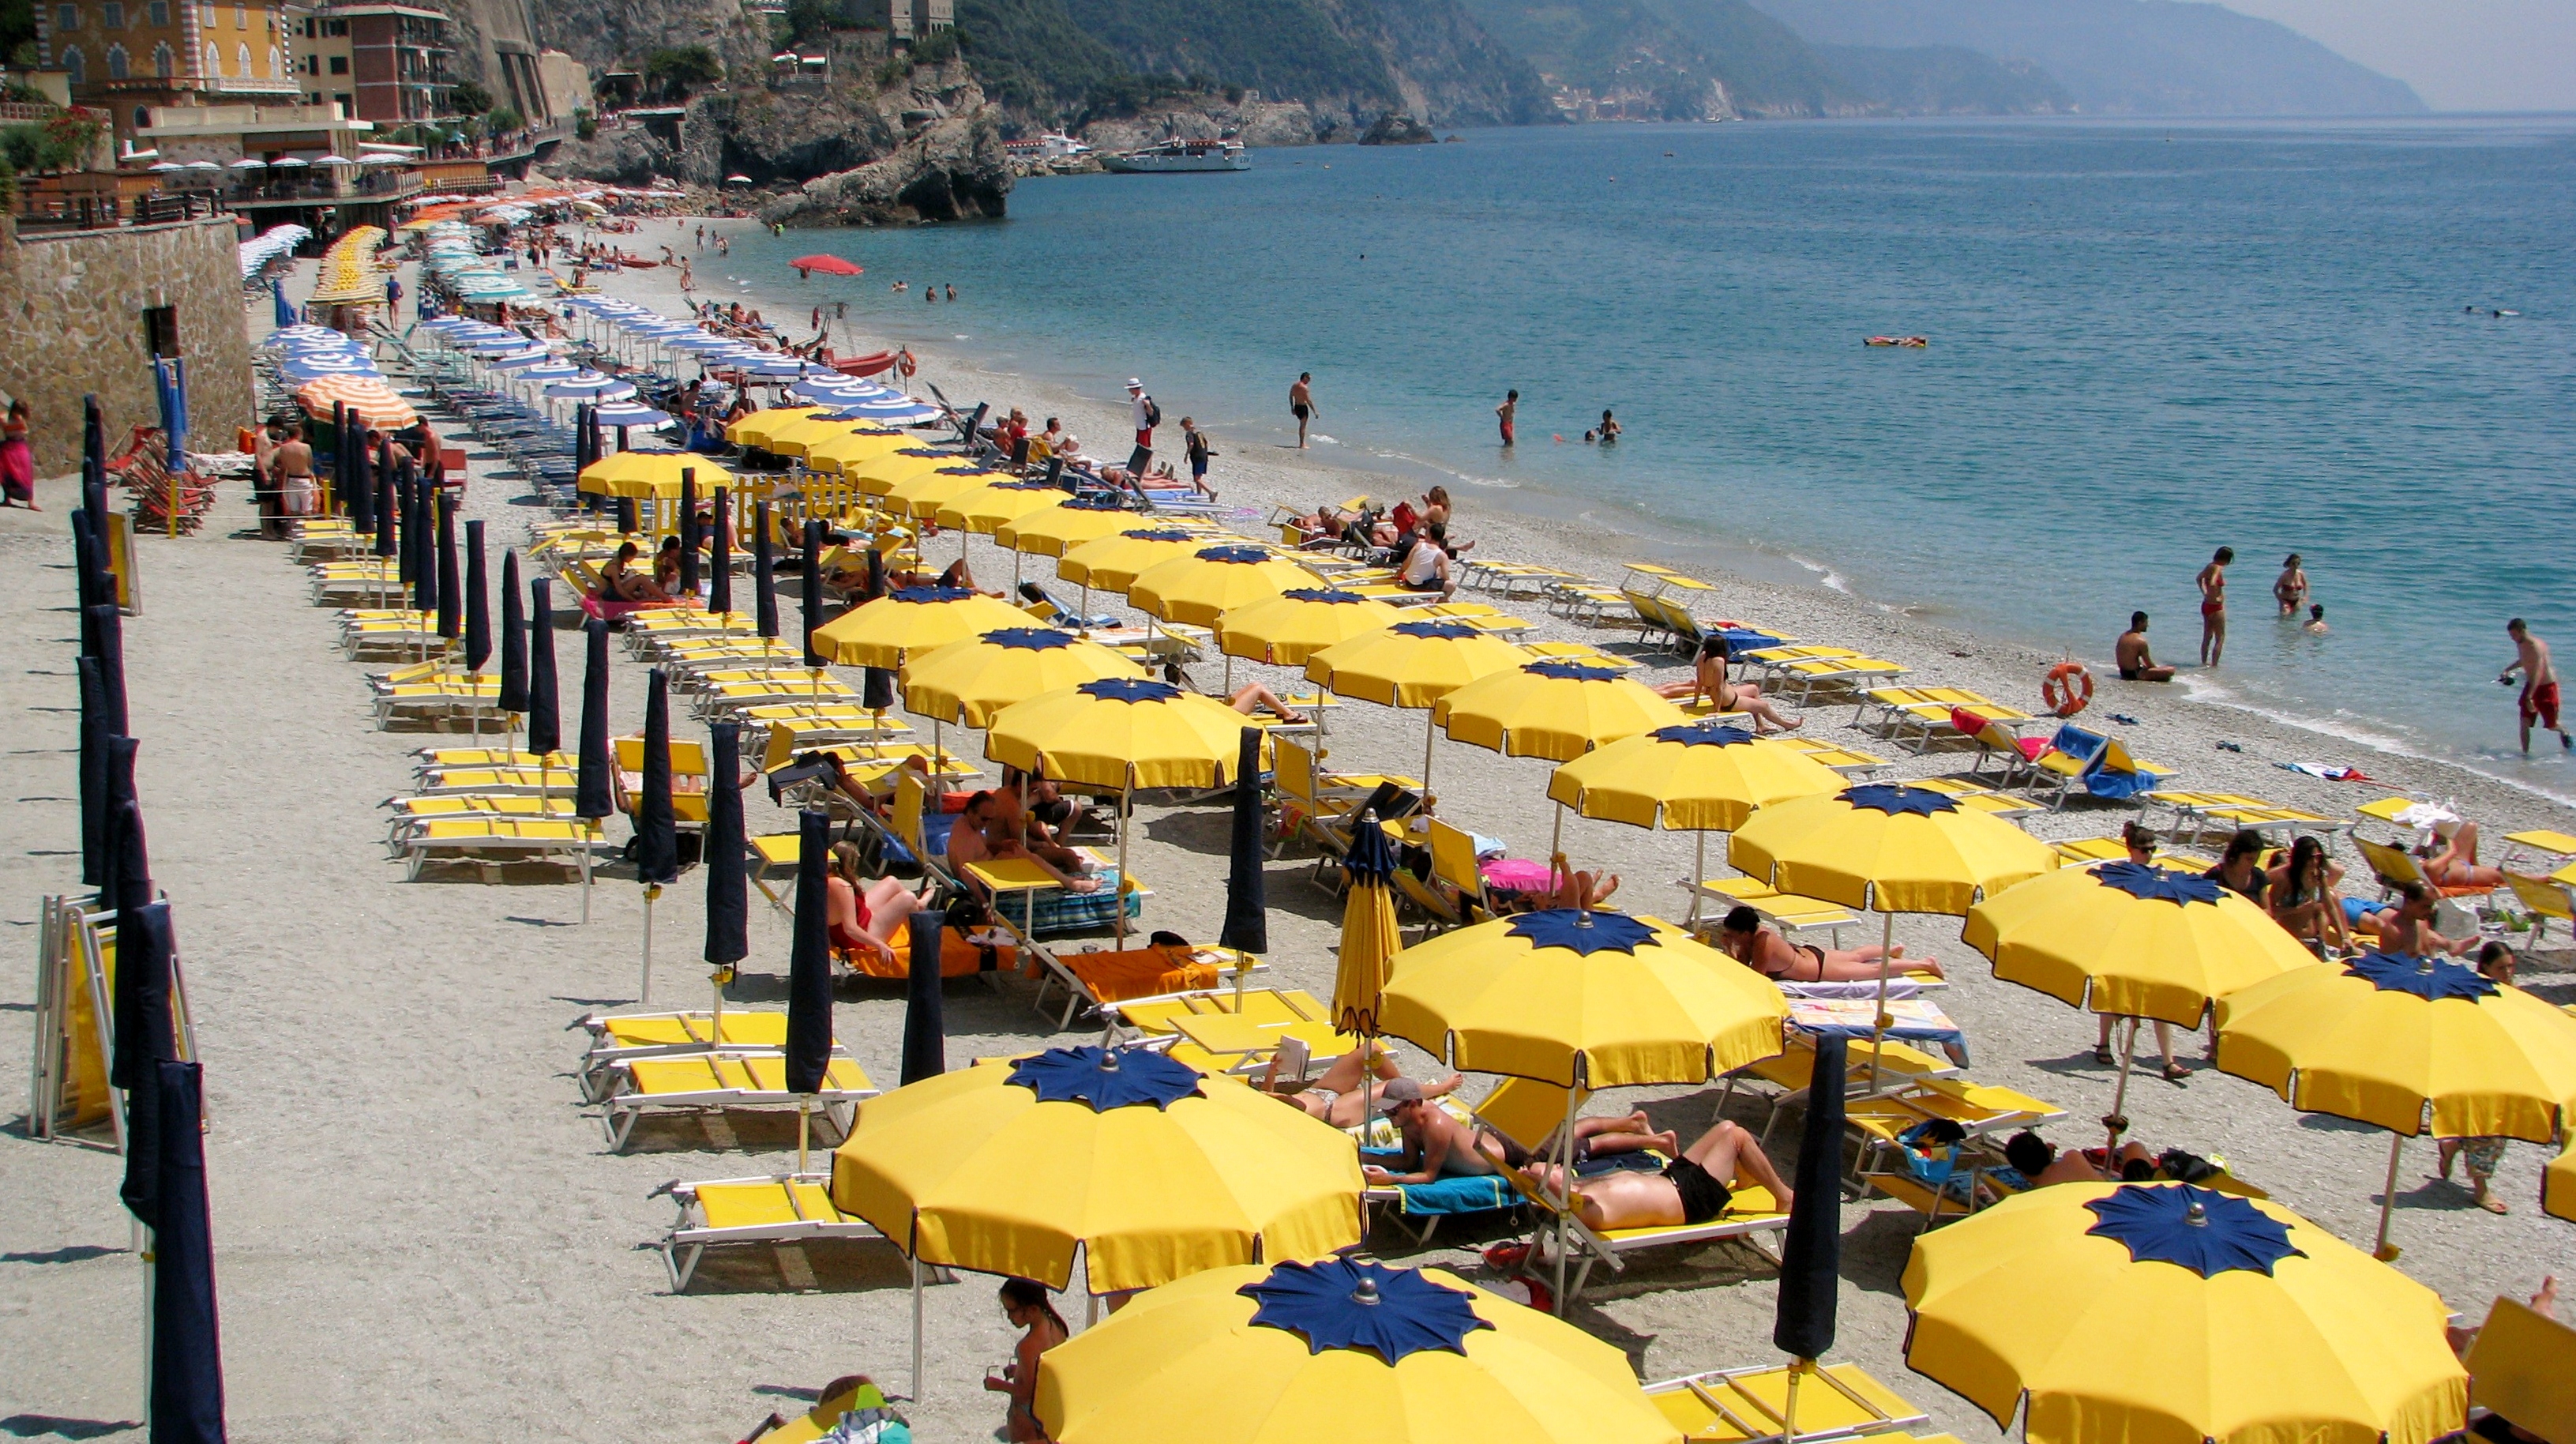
{"type": "Point", "coordinates": [1742, 937]}
{"type": "Point", "coordinates": [1334, 1095]}
{"type": "Point", "coordinates": [975, 837]}
{"type": "Point", "coordinates": [865, 915]}
{"type": "Point", "coordinates": [618, 584]}
{"type": "Point", "coordinates": [1693, 1188]}
{"type": "Point", "coordinates": [1005, 819]}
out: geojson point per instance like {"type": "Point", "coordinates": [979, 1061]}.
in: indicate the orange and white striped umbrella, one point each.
{"type": "Point", "coordinates": [368, 397]}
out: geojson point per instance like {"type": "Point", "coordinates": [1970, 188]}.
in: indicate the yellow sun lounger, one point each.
{"type": "Point", "coordinates": [780, 1208]}
{"type": "Point", "coordinates": [790, 686]}
{"type": "Point", "coordinates": [617, 1038]}
{"type": "Point", "coordinates": [412, 813]}
{"type": "Point", "coordinates": [720, 1081]}
{"type": "Point", "coordinates": [1789, 912]}
{"type": "Point", "coordinates": [531, 780]}
{"type": "Point", "coordinates": [1847, 761]}
{"type": "Point", "coordinates": [439, 701]}
{"type": "Point", "coordinates": [488, 841]}
{"type": "Point", "coordinates": [1750, 1406]}
{"type": "Point", "coordinates": [432, 758]}
{"type": "Point", "coordinates": [2196, 813]}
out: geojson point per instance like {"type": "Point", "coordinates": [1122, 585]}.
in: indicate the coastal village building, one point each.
{"type": "Point", "coordinates": [905, 20]}
{"type": "Point", "coordinates": [314, 167]}
{"type": "Point", "coordinates": [379, 62]}
{"type": "Point", "coordinates": [127, 56]}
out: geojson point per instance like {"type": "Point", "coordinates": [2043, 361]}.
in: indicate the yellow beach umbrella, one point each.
{"type": "Point", "coordinates": [1214, 580]}
{"type": "Point", "coordinates": [886, 472]}
{"type": "Point", "coordinates": [1059, 529]}
{"type": "Point", "coordinates": [911, 620]}
{"type": "Point", "coordinates": [1370, 938]}
{"type": "Point", "coordinates": [1288, 629]}
{"type": "Point", "coordinates": [2131, 941]}
{"type": "Point", "coordinates": [1892, 848]}
{"type": "Point", "coordinates": [2155, 1313]}
{"type": "Point", "coordinates": [921, 494]}
{"type": "Point", "coordinates": [1558, 710]}
{"type": "Point", "coordinates": [970, 681]}
{"type": "Point", "coordinates": [2558, 1186]}
{"type": "Point", "coordinates": [1002, 499]}
{"type": "Point", "coordinates": [1122, 733]}
{"type": "Point", "coordinates": [799, 437]}
{"type": "Point", "coordinates": [1344, 1349]}
{"type": "Point", "coordinates": [2408, 1044]}
{"type": "Point", "coordinates": [759, 426]}
{"type": "Point", "coordinates": [1152, 1172]}
{"type": "Point", "coordinates": [652, 474]}
{"type": "Point", "coordinates": [840, 453]}
{"type": "Point", "coordinates": [1112, 563]}
{"type": "Point", "coordinates": [1413, 664]}
{"type": "Point", "coordinates": [1601, 999]}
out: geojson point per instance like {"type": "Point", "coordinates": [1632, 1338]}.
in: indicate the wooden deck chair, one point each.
{"type": "Point", "coordinates": [1453, 862]}
{"type": "Point", "coordinates": [2518, 1370]}
{"type": "Point", "coordinates": [2545, 899]}
{"type": "Point", "coordinates": [721, 1080]}
{"type": "Point", "coordinates": [1750, 1406]}
{"type": "Point", "coordinates": [779, 1208]}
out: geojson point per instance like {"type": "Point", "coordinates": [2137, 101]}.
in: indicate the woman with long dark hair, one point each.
{"type": "Point", "coordinates": [2302, 891]}
{"type": "Point", "coordinates": [1025, 1304]}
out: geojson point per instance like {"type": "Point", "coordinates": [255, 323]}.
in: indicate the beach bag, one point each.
{"type": "Point", "coordinates": [1153, 413]}
{"type": "Point", "coordinates": [1930, 1150]}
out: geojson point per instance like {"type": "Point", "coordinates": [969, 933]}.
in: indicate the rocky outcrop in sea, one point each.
{"type": "Point", "coordinates": [952, 169]}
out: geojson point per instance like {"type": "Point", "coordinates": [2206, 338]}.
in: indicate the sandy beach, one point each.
{"type": "Point", "coordinates": [420, 1233]}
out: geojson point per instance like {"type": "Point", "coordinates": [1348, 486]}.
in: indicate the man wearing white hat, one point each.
{"type": "Point", "coordinates": [1148, 416]}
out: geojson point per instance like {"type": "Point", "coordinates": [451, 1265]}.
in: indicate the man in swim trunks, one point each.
{"type": "Point", "coordinates": [2137, 664]}
{"type": "Point", "coordinates": [1507, 413]}
{"type": "Point", "coordinates": [1742, 936]}
{"type": "Point", "coordinates": [2408, 927]}
{"type": "Point", "coordinates": [2539, 684]}
{"type": "Point", "coordinates": [1301, 404]}
{"type": "Point", "coordinates": [2213, 606]}
{"type": "Point", "coordinates": [1693, 1188]}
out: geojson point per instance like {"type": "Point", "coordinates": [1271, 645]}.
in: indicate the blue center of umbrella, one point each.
{"type": "Point", "coordinates": [1106, 1078]}
{"type": "Point", "coordinates": [929, 596]}
{"type": "Point", "coordinates": [1704, 734]}
{"type": "Point", "coordinates": [2195, 1228]}
{"type": "Point", "coordinates": [1372, 857]}
{"type": "Point", "coordinates": [1332, 596]}
{"type": "Point", "coordinates": [1572, 672]}
{"type": "Point", "coordinates": [1583, 933]}
{"type": "Point", "coordinates": [2156, 884]}
{"type": "Point", "coordinates": [2424, 977]}
{"type": "Point", "coordinates": [1893, 800]}
{"type": "Point", "coordinates": [1349, 1304]}
{"type": "Point", "coordinates": [1237, 556]}
{"type": "Point", "coordinates": [1153, 535]}
{"type": "Point", "coordinates": [1443, 631]}
{"type": "Point", "coordinates": [1028, 639]}
{"type": "Point", "coordinates": [1129, 689]}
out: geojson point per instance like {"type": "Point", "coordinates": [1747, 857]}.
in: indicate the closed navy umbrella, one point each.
{"type": "Point", "coordinates": [764, 575]}
{"type": "Point", "coordinates": [925, 1034]}
{"type": "Point", "coordinates": [720, 597]}
{"type": "Point", "coordinates": [94, 465]}
{"type": "Point", "coordinates": [340, 450]}
{"type": "Point", "coordinates": [876, 576]}
{"type": "Point", "coordinates": [1811, 1253]}
{"type": "Point", "coordinates": [85, 579]}
{"type": "Point", "coordinates": [361, 495]}
{"type": "Point", "coordinates": [93, 773]}
{"type": "Point", "coordinates": [590, 785]}
{"type": "Point", "coordinates": [110, 626]}
{"type": "Point", "coordinates": [545, 709]}
{"type": "Point", "coordinates": [424, 550]}
{"type": "Point", "coordinates": [141, 1006]}
{"type": "Point", "coordinates": [813, 582]}
{"type": "Point", "coordinates": [689, 533]}
{"type": "Point", "coordinates": [629, 518]}
{"type": "Point", "coordinates": [809, 972]}
{"type": "Point", "coordinates": [728, 909]}
{"type": "Point", "coordinates": [187, 1358]}
{"type": "Point", "coordinates": [657, 838]}
{"type": "Point", "coordinates": [388, 514]}
{"type": "Point", "coordinates": [1247, 917]}
{"type": "Point", "coordinates": [514, 639]}
{"type": "Point", "coordinates": [142, 1043]}
{"type": "Point", "coordinates": [451, 611]}
{"type": "Point", "coordinates": [478, 604]}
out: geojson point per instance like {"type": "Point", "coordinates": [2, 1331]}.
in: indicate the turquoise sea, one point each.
{"type": "Point", "coordinates": [2148, 340]}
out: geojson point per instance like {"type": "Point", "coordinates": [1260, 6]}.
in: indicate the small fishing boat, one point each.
{"type": "Point", "coordinates": [1177, 155]}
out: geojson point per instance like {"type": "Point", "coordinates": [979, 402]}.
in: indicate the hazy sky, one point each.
{"type": "Point", "coordinates": [2458, 54]}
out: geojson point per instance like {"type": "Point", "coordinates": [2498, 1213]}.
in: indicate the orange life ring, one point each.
{"type": "Point", "coordinates": [2069, 688]}
{"type": "Point", "coordinates": [903, 363]}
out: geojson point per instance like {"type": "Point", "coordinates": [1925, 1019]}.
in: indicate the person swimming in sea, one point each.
{"type": "Point", "coordinates": [1609, 428]}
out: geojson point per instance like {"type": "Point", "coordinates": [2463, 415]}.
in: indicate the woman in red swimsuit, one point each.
{"type": "Point", "coordinates": [864, 915]}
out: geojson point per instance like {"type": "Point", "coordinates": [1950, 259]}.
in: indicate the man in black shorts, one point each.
{"type": "Point", "coordinates": [1694, 1188]}
{"type": "Point", "coordinates": [2137, 664]}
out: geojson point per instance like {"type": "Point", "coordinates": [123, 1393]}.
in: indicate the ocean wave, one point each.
{"type": "Point", "coordinates": [1826, 576]}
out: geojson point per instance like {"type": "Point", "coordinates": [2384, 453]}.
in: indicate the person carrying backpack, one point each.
{"type": "Point", "coordinates": [1148, 416]}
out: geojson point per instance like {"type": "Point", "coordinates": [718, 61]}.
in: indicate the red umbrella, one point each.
{"type": "Point", "coordinates": [828, 265]}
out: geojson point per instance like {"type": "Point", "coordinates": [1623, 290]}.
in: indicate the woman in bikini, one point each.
{"type": "Point", "coordinates": [619, 584]}
{"type": "Point", "coordinates": [863, 915]}
{"type": "Point", "coordinates": [1692, 1189]}
{"type": "Point", "coordinates": [2451, 860]}
{"type": "Point", "coordinates": [2213, 606]}
{"type": "Point", "coordinates": [1742, 937]}
{"type": "Point", "coordinates": [2302, 892]}
{"type": "Point", "coordinates": [1708, 679]}
{"type": "Point", "coordinates": [1334, 1095]}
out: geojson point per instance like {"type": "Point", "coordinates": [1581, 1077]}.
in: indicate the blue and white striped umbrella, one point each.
{"type": "Point", "coordinates": [591, 383]}
{"type": "Point", "coordinates": [551, 371]}
{"type": "Point", "coordinates": [896, 413]}
{"type": "Point", "coordinates": [520, 361]}
{"type": "Point", "coordinates": [300, 372]}
{"type": "Point", "coordinates": [847, 392]}
{"type": "Point", "coordinates": [629, 413]}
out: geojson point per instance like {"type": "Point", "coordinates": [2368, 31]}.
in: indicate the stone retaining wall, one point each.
{"type": "Point", "coordinates": [72, 321]}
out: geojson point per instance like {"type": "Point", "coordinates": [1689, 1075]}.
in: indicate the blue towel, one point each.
{"type": "Point", "coordinates": [1455, 1194]}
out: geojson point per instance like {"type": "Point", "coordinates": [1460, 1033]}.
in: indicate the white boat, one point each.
{"type": "Point", "coordinates": [1179, 155]}
{"type": "Point", "coordinates": [1052, 145]}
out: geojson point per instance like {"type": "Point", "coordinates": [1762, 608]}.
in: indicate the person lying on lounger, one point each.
{"type": "Point", "coordinates": [2451, 859]}
{"type": "Point", "coordinates": [975, 838]}
{"type": "Point", "coordinates": [1742, 937]}
{"type": "Point", "coordinates": [1334, 1095]}
{"type": "Point", "coordinates": [2406, 928]}
{"type": "Point", "coordinates": [1437, 1145]}
{"type": "Point", "coordinates": [1693, 1188]}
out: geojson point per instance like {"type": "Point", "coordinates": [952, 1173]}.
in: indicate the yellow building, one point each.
{"type": "Point", "coordinates": [127, 56]}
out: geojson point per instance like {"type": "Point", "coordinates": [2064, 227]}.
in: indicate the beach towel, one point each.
{"type": "Point", "coordinates": [1139, 973]}
{"type": "Point", "coordinates": [1456, 1194]}
{"type": "Point", "coordinates": [2330, 774]}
